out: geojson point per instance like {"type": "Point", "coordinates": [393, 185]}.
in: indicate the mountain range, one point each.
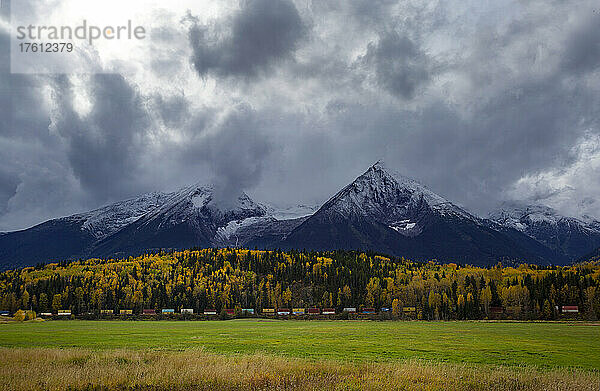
{"type": "Point", "coordinates": [381, 211]}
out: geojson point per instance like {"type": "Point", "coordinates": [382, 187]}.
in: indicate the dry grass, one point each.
{"type": "Point", "coordinates": [76, 369]}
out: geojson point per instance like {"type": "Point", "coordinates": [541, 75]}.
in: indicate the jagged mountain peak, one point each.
{"type": "Point", "coordinates": [568, 235]}
{"type": "Point", "coordinates": [520, 215]}
{"type": "Point", "coordinates": [381, 210]}
{"type": "Point", "coordinates": [389, 196]}
{"type": "Point", "coordinates": [180, 205]}
{"type": "Point", "coordinates": [390, 212]}
{"type": "Point", "coordinates": [380, 171]}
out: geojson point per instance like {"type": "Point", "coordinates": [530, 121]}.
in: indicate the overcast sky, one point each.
{"type": "Point", "coordinates": [481, 100]}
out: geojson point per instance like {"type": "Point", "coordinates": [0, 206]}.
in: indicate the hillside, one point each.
{"type": "Point", "coordinates": [384, 211]}
{"type": "Point", "coordinates": [569, 236]}
{"type": "Point", "coordinates": [381, 210]}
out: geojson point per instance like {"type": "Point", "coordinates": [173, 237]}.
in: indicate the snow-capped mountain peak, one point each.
{"type": "Point", "coordinates": [568, 235]}
{"type": "Point", "coordinates": [522, 216]}
{"type": "Point", "coordinates": [380, 172]}
{"type": "Point", "coordinates": [380, 210]}
{"type": "Point", "coordinates": [391, 198]}
{"type": "Point", "coordinates": [107, 220]}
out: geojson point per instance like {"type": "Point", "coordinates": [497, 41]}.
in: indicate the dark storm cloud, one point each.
{"type": "Point", "coordinates": [103, 146]}
{"type": "Point", "coordinates": [8, 187]}
{"type": "Point", "coordinates": [25, 144]}
{"type": "Point", "coordinates": [235, 150]}
{"type": "Point", "coordinates": [467, 97]}
{"type": "Point", "coordinates": [400, 64]}
{"type": "Point", "coordinates": [583, 47]}
{"type": "Point", "coordinates": [261, 34]}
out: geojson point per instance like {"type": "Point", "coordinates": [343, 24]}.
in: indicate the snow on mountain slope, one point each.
{"type": "Point", "coordinates": [109, 219]}
{"type": "Point", "coordinates": [523, 217]}
{"type": "Point", "coordinates": [387, 212]}
{"type": "Point", "coordinates": [228, 235]}
{"type": "Point", "coordinates": [568, 235]}
{"type": "Point", "coordinates": [172, 208]}
{"type": "Point", "coordinates": [381, 210]}
{"type": "Point", "coordinates": [190, 217]}
{"type": "Point", "coordinates": [198, 202]}
{"type": "Point", "coordinates": [291, 211]}
{"type": "Point", "coordinates": [393, 199]}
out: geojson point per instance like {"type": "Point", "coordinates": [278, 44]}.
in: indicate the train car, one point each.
{"type": "Point", "coordinates": [298, 311]}
{"type": "Point", "coordinates": [283, 311]}
{"type": "Point", "coordinates": [385, 309]}
{"type": "Point", "coordinates": [210, 312]}
{"type": "Point", "coordinates": [314, 311]}
{"type": "Point", "coordinates": [187, 311]}
{"type": "Point", "coordinates": [148, 312]}
{"type": "Point", "coordinates": [409, 309]}
{"type": "Point", "coordinates": [350, 309]}
{"type": "Point", "coordinates": [4, 313]}
{"type": "Point", "coordinates": [248, 311]}
{"type": "Point", "coordinates": [64, 312]}
{"type": "Point", "coordinates": [328, 311]}
{"type": "Point", "coordinates": [106, 312]}
{"type": "Point", "coordinates": [268, 311]}
{"type": "Point", "coordinates": [230, 311]}
{"type": "Point", "coordinates": [496, 310]}
{"type": "Point", "coordinates": [46, 314]}
{"type": "Point", "coordinates": [368, 311]}
{"type": "Point", "coordinates": [167, 311]}
{"type": "Point", "coordinates": [570, 309]}
{"type": "Point", "coordinates": [126, 312]}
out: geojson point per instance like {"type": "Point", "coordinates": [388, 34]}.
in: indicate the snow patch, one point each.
{"type": "Point", "coordinates": [291, 212]}
{"type": "Point", "coordinates": [406, 228]}
{"type": "Point", "coordinates": [200, 200]}
{"type": "Point", "coordinates": [228, 233]}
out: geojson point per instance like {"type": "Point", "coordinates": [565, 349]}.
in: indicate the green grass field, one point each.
{"type": "Point", "coordinates": [544, 345]}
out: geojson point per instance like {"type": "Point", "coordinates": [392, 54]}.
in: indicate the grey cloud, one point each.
{"type": "Point", "coordinates": [364, 12]}
{"type": "Point", "coordinates": [400, 64]}
{"type": "Point", "coordinates": [582, 52]}
{"type": "Point", "coordinates": [26, 147]}
{"type": "Point", "coordinates": [174, 110]}
{"type": "Point", "coordinates": [169, 48]}
{"type": "Point", "coordinates": [8, 188]}
{"type": "Point", "coordinates": [511, 99]}
{"type": "Point", "coordinates": [261, 34]}
{"type": "Point", "coordinates": [235, 150]}
{"type": "Point", "coordinates": [104, 145]}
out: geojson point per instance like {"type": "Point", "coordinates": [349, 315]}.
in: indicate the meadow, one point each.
{"type": "Point", "coordinates": [275, 354]}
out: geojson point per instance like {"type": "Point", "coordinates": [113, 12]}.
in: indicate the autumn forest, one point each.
{"type": "Point", "coordinates": [235, 278]}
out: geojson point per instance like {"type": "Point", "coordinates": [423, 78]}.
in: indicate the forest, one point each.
{"type": "Point", "coordinates": [239, 278]}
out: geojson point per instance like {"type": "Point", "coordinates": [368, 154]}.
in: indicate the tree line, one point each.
{"type": "Point", "coordinates": [232, 278]}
